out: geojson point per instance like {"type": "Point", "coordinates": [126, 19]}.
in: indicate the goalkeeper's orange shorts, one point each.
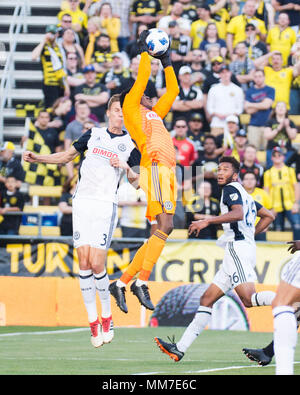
{"type": "Point", "coordinates": [160, 186]}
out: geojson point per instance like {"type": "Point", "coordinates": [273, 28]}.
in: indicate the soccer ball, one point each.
{"type": "Point", "coordinates": [157, 42]}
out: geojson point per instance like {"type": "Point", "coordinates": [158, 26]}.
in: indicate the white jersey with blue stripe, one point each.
{"type": "Point", "coordinates": [232, 194]}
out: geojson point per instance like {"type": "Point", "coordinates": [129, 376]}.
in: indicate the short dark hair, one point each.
{"type": "Point", "coordinates": [103, 35]}
{"type": "Point", "coordinates": [259, 71]}
{"type": "Point", "coordinates": [180, 119]}
{"type": "Point", "coordinates": [248, 172]}
{"type": "Point", "coordinates": [44, 110]}
{"type": "Point", "coordinates": [80, 103]}
{"type": "Point", "coordinates": [210, 137]}
{"type": "Point", "coordinates": [230, 159]}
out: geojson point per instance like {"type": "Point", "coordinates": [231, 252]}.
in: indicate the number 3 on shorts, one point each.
{"type": "Point", "coordinates": [104, 239]}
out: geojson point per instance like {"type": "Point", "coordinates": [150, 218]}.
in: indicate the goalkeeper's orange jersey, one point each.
{"type": "Point", "coordinates": [146, 126]}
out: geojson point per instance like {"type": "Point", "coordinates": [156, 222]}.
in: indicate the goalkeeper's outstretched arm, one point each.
{"type": "Point", "coordinates": [164, 104]}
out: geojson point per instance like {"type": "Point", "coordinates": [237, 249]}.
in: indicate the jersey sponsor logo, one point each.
{"type": "Point", "coordinates": [104, 153]}
{"type": "Point", "coordinates": [234, 196]}
{"type": "Point", "coordinates": [152, 115]}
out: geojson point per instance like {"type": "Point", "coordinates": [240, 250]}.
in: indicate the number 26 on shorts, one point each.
{"type": "Point", "coordinates": [234, 279]}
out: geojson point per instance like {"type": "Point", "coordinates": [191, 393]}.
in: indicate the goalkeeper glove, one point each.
{"type": "Point", "coordinates": [165, 58]}
{"type": "Point", "coordinates": [142, 46]}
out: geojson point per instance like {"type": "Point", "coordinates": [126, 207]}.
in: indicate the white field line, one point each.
{"type": "Point", "coordinates": [45, 332]}
{"type": "Point", "coordinates": [214, 370]}
{"type": "Point", "coordinates": [140, 373]}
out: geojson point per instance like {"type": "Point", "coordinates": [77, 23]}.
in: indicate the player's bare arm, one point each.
{"type": "Point", "coordinates": [132, 176]}
{"type": "Point", "coordinates": [236, 214]}
{"type": "Point", "coordinates": [266, 218]}
{"type": "Point", "coordinates": [56, 158]}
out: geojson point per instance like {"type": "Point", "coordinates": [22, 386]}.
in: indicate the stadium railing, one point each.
{"type": "Point", "coordinates": [43, 221]}
{"type": "Point", "coordinates": [22, 9]}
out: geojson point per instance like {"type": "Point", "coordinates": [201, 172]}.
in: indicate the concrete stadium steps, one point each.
{"type": "Point", "coordinates": [11, 118]}
{"type": "Point", "coordinates": [24, 62]}
{"type": "Point", "coordinates": [27, 79]}
{"type": "Point", "coordinates": [28, 74]}
{"type": "Point", "coordinates": [13, 131]}
{"type": "Point", "coordinates": [38, 7]}
{"type": "Point", "coordinates": [26, 94]}
{"type": "Point", "coordinates": [26, 41]}
{"type": "Point", "coordinates": [35, 23]}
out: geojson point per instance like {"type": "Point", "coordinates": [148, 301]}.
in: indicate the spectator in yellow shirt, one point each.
{"type": "Point", "coordinates": [281, 37]}
{"type": "Point", "coordinates": [79, 18]}
{"type": "Point", "coordinates": [110, 25]}
{"type": "Point", "coordinates": [280, 131]}
{"type": "Point", "coordinates": [222, 12]}
{"type": "Point", "coordinates": [281, 183]}
{"type": "Point", "coordinates": [294, 58]}
{"type": "Point", "coordinates": [259, 195]}
{"type": "Point", "coordinates": [278, 77]}
{"type": "Point", "coordinates": [198, 27]}
{"type": "Point", "coordinates": [237, 26]}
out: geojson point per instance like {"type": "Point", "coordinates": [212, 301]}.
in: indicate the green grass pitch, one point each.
{"type": "Point", "coordinates": [68, 351]}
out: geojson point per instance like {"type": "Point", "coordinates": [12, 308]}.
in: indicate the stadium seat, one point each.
{"type": "Point", "coordinates": [37, 191]}
{"type": "Point", "coordinates": [34, 230]}
{"type": "Point", "coordinates": [297, 139]}
{"type": "Point", "coordinates": [41, 209]}
{"type": "Point", "coordinates": [245, 119]}
{"type": "Point", "coordinates": [180, 234]}
{"type": "Point", "coordinates": [117, 233]}
{"type": "Point", "coordinates": [295, 119]}
{"type": "Point", "coordinates": [279, 236]}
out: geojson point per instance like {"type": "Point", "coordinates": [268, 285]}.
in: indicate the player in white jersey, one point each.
{"type": "Point", "coordinates": [286, 312]}
{"type": "Point", "coordinates": [238, 214]}
{"type": "Point", "coordinates": [108, 152]}
{"type": "Point", "coordinates": [285, 324]}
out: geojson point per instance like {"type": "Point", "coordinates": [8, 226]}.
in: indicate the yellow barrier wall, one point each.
{"type": "Point", "coordinates": [53, 301]}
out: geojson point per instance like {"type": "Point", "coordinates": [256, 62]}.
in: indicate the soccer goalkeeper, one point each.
{"type": "Point", "coordinates": [157, 171]}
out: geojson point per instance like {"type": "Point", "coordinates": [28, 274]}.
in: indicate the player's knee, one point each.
{"type": "Point", "coordinates": [280, 301]}
{"type": "Point", "coordinates": [206, 301]}
{"type": "Point", "coordinates": [246, 300]}
{"type": "Point", "coordinates": [84, 264]}
{"type": "Point", "coordinates": [166, 225]}
{"type": "Point", "coordinates": [168, 228]}
{"type": "Point", "coordinates": [97, 267]}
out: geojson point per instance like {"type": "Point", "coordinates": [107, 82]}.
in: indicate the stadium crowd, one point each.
{"type": "Point", "coordinates": [238, 69]}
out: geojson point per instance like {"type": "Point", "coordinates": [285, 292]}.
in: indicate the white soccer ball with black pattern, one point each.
{"type": "Point", "coordinates": [157, 42]}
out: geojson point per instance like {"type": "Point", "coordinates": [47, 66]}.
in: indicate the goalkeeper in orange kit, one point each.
{"type": "Point", "coordinates": [157, 171]}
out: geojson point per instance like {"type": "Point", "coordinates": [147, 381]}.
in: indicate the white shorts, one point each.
{"type": "Point", "coordinates": [237, 267]}
{"type": "Point", "coordinates": [291, 271]}
{"type": "Point", "coordinates": [94, 222]}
